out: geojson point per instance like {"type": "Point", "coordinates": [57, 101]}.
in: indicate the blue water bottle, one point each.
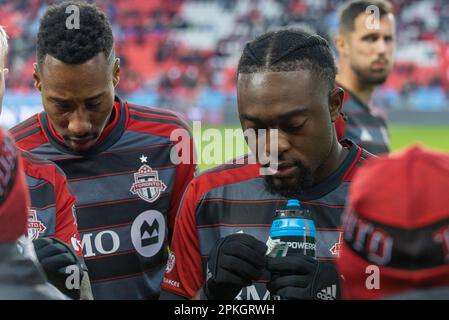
{"type": "Point", "coordinates": [295, 228]}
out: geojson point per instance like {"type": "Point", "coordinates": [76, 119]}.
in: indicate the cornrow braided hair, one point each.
{"type": "Point", "coordinates": [289, 50]}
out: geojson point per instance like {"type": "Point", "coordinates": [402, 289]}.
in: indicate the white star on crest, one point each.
{"type": "Point", "coordinates": [143, 159]}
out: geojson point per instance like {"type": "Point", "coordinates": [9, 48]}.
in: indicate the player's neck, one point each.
{"type": "Point", "coordinates": [112, 122]}
{"type": "Point", "coordinates": [351, 82]}
{"type": "Point", "coordinates": [336, 157]}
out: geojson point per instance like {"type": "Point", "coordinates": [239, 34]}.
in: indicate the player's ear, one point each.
{"type": "Point", "coordinates": [336, 102]}
{"type": "Point", "coordinates": [36, 77]}
{"type": "Point", "coordinates": [341, 44]}
{"type": "Point", "coordinates": [116, 72]}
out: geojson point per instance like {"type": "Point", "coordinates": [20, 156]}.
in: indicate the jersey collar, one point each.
{"type": "Point", "coordinates": [335, 179]}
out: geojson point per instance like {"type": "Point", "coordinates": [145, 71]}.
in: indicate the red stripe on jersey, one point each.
{"type": "Point", "coordinates": [242, 201]}
{"type": "Point", "coordinates": [152, 126]}
{"type": "Point", "coordinates": [236, 162]}
{"type": "Point", "coordinates": [33, 140]}
{"type": "Point", "coordinates": [106, 131]}
{"type": "Point", "coordinates": [184, 174]}
{"type": "Point", "coordinates": [117, 174]}
{"type": "Point", "coordinates": [13, 192]}
{"type": "Point", "coordinates": [44, 208]}
{"type": "Point", "coordinates": [185, 250]}
{"type": "Point", "coordinates": [102, 176]}
{"type": "Point", "coordinates": [138, 149]}
{"type": "Point", "coordinates": [53, 131]}
{"type": "Point", "coordinates": [318, 204]}
{"type": "Point", "coordinates": [350, 172]}
{"type": "Point", "coordinates": [321, 204]}
{"type": "Point", "coordinates": [22, 126]}
{"type": "Point", "coordinates": [21, 134]}
{"type": "Point", "coordinates": [37, 186]}
{"type": "Point", "coordinates": [97, 204]}
{"type": "Point", "coordinates": [34, 117]}
{"type": "Point", "coordinates": [212, 180]}
{"type": "Point", "coordinates": [111, 255]}
{"type": "Point", "coordinates": [147, 113]}
{"type": "Point", "coordinates": [156, 113]}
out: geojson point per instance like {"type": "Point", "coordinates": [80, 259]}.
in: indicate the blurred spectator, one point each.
{"type": "Point", "coordinates": [153, 37]}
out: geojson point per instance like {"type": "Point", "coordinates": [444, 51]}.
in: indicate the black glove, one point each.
{"type": "Point", "coordinates": [233, 264]}
{"type": "Point", "coordinates": [55, 256]}
{"type": "Point", "coordinates": [303, 278]}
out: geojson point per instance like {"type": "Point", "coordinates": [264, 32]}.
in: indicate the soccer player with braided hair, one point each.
{"type": "Point", "coordinates": [286, 82]}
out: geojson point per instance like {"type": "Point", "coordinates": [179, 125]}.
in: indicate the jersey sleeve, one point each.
{"type": "Point", "coordinates": [184, 274]}
{"type": "Point", "coordinates": [28, 134]}
{"type": "Point", "coordinates": [185, 172]}
{"type": "Point", "coordinates": [66, 225]}
{"type": "Point", "coordinates": [14, 198]}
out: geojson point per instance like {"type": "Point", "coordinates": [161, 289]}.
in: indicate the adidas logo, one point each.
{"type": "Point", "coordinates": [329, 293]}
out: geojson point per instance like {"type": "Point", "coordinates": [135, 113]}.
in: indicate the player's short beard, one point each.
{"type": "Point", "coordinates": [302, 180]}
{"type": "Point", "coordinates": [367, 78]}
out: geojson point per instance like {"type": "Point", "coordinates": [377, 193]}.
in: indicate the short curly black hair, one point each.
{"type": "Point", "coordinates": [290, 49]}
{"type": "Point", "coordinates": [74, 45]}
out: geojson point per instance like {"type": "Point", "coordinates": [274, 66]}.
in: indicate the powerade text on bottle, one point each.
{"type": "Point", "coordinates": [295, 226]}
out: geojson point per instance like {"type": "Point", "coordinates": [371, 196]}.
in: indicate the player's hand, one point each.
{"type": "Point", "coordinates": [55, 257]}
{"type": "Point", "coordinates": [303, 278]}
{"type": "Point", "coordinates": [233, 264]}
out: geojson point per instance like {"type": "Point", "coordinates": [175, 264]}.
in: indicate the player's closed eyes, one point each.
{"type": "Point", "coordinates": [93, 105]}
{"type": "Point", "coordinates": [293, 128]}
{"type": "Point", "coordinates": [62, 106]}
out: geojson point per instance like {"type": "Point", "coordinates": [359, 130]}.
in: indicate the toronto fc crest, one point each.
{"type": "Point", "coordinates": [147, 184]}
{"type": "Point", "coordinates": [35, 226]}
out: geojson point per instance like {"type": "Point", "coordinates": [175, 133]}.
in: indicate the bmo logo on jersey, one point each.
{"type": "Point", "coordinates": [146, 235]}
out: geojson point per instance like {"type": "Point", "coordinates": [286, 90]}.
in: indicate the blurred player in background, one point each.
{"type": "Point", "coordinates": [400, 226]}
{"type": "Point", "coordinates": [365, 45]}
{"type": "Point", "coordinates": [20, 277]}
{"type": "Point", "coordinates": [51, 213]}
{"type": "Point", "coordinates": [117, 156]}
{"type": "Point", "coordinates": [286, 82]}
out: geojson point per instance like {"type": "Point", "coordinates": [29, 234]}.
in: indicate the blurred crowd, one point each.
{"type": "Point", "coordinates": [182, 54]}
